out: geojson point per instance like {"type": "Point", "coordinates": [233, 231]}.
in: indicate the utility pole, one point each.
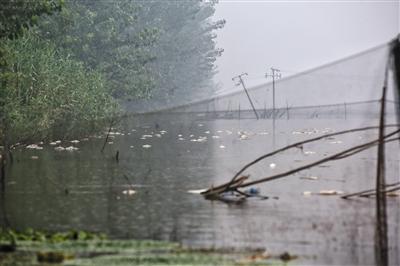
{"type": "Point", "coordinates": [275, 74]}
{"type": "Point", "coordinates": [241, 82]}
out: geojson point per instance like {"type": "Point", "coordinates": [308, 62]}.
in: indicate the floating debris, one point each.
{"type": "Point", "coordinates": [146, 146]}
{"type": "Point", "coordinates": [307, 193]}
{"type": "Point", "coordinates": [129, 192]}
{"type": "Point", "coordinates": [71, 148]}
{"type": "Point", "coordinates": [197, 191]}
{"type": "Point", "coordinates": [222, 146]}
{"type": "Point", "coordinates": [216, 137]}
{"type": "Point", "coordinates": [162, 132]}
{"type": "Point", "coordinates": [53, 143]}
{"type": "Point", "coordinates": [309, 177]}
{"type": "Point", "coordinates": [180, 135]}
{"type": "Point", "coordinates": [252, 191]}
{"type": "Point", "coordinates": [272, 165]}
{"type": "Point", "coordinates": [75, 141]}
{"type": "Point", "coordinates": [110, 142]}
{"type": "Point", "coordinates": [131, 147]}
{"type": "Point", "coordinates": [220, 131]}
{"type": "Point", "coordinates": [85, 139]}
{"type": "Point", "coordinates": [158, 135]}
{"type": "Point", "coordinates": [34, 147]}
{"type": "Point", "coordinates": [263, 133]}
{"type": "Point", "coordinates": [330, 192]}
{"type": "Point", "coordinates": [309, 152]}
{"type": "Point", "coordinates": [59, 148]}
{"type": "Point", "coordinates": [207, 132]}
{"type": "Point", "coordinates": [202, 139]}
{"type": "Point", "coordinates": [244, 137]}
{"type": "Point", "coordinates": [147, 136]}
{"type": "Point", "coordinates": [114, 133]}
{"type": "Point", "coordinates": [34, 157]}
{"type": "Point", "coordinates": [336, 142]}
{"type": "Point", "coordinates": [181, 139]}
{"type": "Point", "coordinates": [133, 130]}
{"type": "Point", "coordinates": [191, 136]}
{"type": "Point", "coordinates": [200, 125]}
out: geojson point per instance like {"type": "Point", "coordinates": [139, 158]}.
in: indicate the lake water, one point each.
{"type": "Point", "coordinates": [321, 230]}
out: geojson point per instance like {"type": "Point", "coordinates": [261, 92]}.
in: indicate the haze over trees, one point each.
{"type": "Point", "coordinates": [66, 64]}
{"type": "Point", "coordinates": [159, 49]}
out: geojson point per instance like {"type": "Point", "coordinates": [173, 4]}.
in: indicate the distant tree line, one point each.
{"type": "Point", "coordinates": [65, 64]}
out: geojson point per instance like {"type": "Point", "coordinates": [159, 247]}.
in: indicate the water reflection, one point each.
{"type": "Point", "coordinates": [321, 230]}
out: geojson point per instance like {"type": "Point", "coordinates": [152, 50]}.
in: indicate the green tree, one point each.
{"type": "Point", "coordinates": [104, 35]}
{"type": "Point", "coordinates": [186, 50]}
{"type": "Point", "coordinates": [144, 48]}
{"type": "Point", "coordinates": [17, 15]}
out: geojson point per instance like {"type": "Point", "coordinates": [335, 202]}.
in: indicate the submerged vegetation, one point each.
{"type": "Point", "coordinates": [84, 248]}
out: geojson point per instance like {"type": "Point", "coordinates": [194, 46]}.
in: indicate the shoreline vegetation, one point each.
{"type": "Point", "coordinates": [85, 248]}
{"type": "Point", "coordinates": [65, 67]}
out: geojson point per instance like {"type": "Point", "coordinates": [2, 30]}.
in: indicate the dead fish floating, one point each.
{"type": "Point", "coordinates": [330, 192]}
{"type": "Point", "coordinates": [34, 147]}
{"type": "Point", "coordinates": [230, 197]}
{"type": "Point", "coordinates": [129, 192]}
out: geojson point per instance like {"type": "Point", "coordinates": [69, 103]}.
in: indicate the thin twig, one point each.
{"type": "Point", "coordinates": [108, 135]}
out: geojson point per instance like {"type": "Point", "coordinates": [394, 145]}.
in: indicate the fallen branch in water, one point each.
{"type": "Point", "coordinates": [370, 192]}
{"type": "Point", "coordinates": [232, 185]}
{"type": "Point", "coordinates": [299, 144]}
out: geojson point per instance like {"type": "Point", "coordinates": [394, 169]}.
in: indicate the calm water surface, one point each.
{"type": "Point", "coordinates": [321, 230]}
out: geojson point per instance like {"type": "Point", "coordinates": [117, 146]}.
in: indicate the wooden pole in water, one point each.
{"type": "Point", "coordinates": [381, 238]}
{"type": "Point", "coordinates": [287, 110]}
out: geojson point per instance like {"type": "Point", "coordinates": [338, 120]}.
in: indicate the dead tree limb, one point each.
{"type": "Point", "coordinates": [383, 192]}
{"type": "Point", "coordinates": [233, 186]}
{"type": "Point", "coordinates": [298, 144]}
{"type": "Point", "coordinates": [108, 135]}
{"type": "Point", "coordinates": [360, 193]}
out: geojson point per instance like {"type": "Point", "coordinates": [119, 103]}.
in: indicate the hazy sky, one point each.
{"type": "Point", "coordinates": [297, 35]}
